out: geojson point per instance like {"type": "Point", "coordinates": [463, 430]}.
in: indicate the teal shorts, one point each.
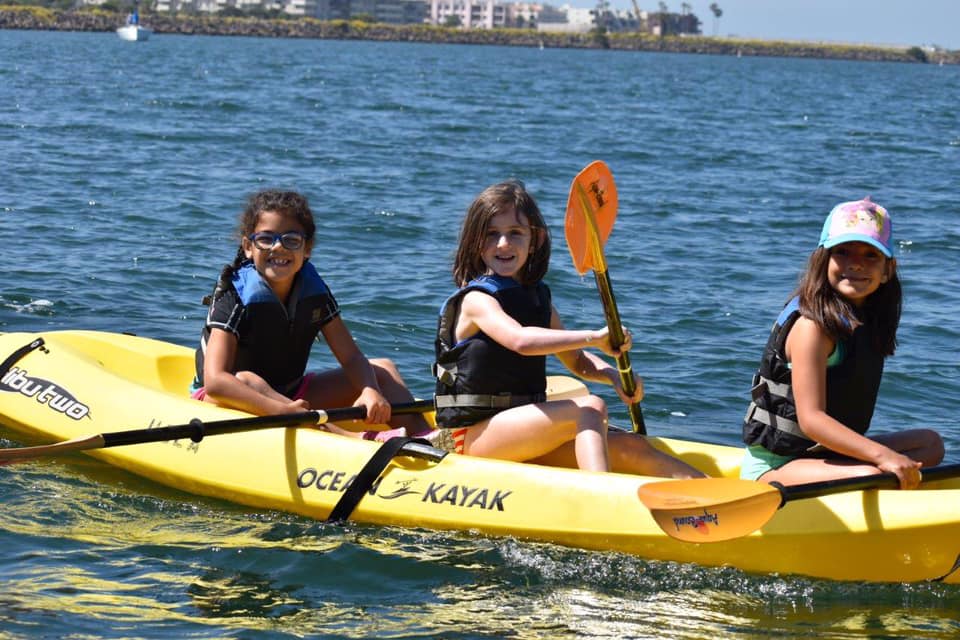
{"type": "Point", "coordinates": [757, 461]}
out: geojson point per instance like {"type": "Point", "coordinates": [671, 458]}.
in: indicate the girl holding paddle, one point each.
{"type": "Point", "coordinates": [268, 307]}
{"type": "Point", "coordinates": [493, 338]}
{"type": "Point", "coordinates": [815, 391]}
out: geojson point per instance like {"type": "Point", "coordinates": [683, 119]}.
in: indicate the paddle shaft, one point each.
{"type": "Point", "coordinates": [842, 485]}
{"type": "Point", "coordinates": [196, 430]}
{"type": "Point", "coordinates": [616, 339]}
{"type": "Point", "coordinates": [610, 311]}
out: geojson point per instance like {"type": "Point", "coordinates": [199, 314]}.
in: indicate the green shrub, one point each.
{"type": "Point", "coordinates": [917, 54]}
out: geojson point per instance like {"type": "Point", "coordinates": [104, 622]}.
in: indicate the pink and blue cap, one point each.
{"type": "Point", "coordinates": [859, 221]}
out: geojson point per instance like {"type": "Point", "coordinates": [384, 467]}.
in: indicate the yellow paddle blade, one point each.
{"type": "Point", "coordinates": [710, 509]}
{"type": "Point", "coordinates": [591, 212]}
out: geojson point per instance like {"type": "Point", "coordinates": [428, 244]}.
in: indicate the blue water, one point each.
{"type": "Point", "coordinates": [123, 167]}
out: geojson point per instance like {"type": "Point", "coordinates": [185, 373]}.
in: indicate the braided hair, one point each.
{"type": "Point", "coordinates": [286, 203]}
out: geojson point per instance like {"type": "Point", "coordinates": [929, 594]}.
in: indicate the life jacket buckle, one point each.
{"type": "Point", "coordinates": [444, 374]}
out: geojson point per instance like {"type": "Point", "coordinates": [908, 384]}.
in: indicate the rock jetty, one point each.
{"type": "Point", "coordinates": [40, 18]}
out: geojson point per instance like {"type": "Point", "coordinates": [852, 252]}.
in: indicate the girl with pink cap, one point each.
{"type": "Point", "coordinates": [814, 393]}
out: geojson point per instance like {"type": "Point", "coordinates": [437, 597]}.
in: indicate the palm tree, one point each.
{"type": "Point", "coordinates": [717, 12]}
{"type": "Point", "coordinates": [602, 17]}
{"type": "Point", "coordinates": [636, 11]}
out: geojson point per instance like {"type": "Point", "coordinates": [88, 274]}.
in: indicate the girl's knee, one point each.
{"type": "Point", "coordinates": [593, 413]}
{"type": "Point", "coordinates": [385, 370]}
{"type": "Point", "coordinates": [934, 446]}
{"type": "Point", "coordinates": [594, 404]}
{"type": "Point", "coordinates": [933, 438]}
{"type": "Point", "coordinates": [924, 445]}
{"type": "Point", "coordinates": [383, 363]}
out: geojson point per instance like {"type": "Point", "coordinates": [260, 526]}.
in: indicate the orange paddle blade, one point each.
{"type": "Point", "coordinates": [591, 212]}
{"type": "Point", "coordinates": [710, 509]}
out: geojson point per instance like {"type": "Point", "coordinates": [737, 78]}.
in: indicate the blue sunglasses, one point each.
{"type": "Point", "coordinates": [266, 240]}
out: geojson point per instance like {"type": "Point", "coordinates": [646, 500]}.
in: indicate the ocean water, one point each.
{"type": "Point", "coordinates": [123, 167]}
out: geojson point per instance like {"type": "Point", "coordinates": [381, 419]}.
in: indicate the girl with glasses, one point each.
{"type": "Point", "coordinates": [268, 307]}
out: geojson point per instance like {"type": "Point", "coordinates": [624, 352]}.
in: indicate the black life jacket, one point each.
{"type": "Point", "coordinates": [274, 340]}
{"type": "Point", "coordinates": [852, 386]}
{"type": "Point", "coordinates": [478, 377]}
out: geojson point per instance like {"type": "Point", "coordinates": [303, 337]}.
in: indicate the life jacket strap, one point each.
{"type": "Point", "coordinates": [766, 386]}
{"type": "Point", "coordinates": [446, 374]}
{"type": "Point", "coordinates": [755, 413]}
{"type": "Point", "coordinates": [487, 401]}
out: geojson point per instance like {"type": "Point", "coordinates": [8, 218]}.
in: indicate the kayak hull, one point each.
{"type": "Point", "coordinates": [80, 383]}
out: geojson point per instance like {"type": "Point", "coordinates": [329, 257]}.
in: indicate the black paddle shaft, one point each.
{"type": "Point", "coordinates": [615, 326]}
{"type": "Point", "coordinates": [862, 483]}
{"type": "Point", "coordinates": [196, 430]}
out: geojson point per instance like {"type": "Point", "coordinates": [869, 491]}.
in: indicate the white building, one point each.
{"type": "Point", "coordinates": [216, 6]}
{"type": "Point", "coordinates": [479, 14]}
{"type": "Point", "coordinates": [578, 21]}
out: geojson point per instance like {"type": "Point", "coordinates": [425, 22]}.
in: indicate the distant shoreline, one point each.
{"type": "Point", "coordinates": [43, 19]}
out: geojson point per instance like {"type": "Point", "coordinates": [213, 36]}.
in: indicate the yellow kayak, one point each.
{"type": "Point", "coordinates": [77, 383]}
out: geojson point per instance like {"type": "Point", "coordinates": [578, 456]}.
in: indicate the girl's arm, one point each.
{"type": "Point", "coordinates": [808, 348]}
{"type": "Point", "coordinates": [358, 370]}
{"type": "Point", "coordinates": [589, 366]}
{"type": "Point", "coordinates": [223, 386]}
{"type": "Point", "coordinates": [481, 312]}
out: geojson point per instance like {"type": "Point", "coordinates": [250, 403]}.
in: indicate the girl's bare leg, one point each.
{"type": "Point", "coordinates": [923, 445]}
{"type": "Point", "coordinates": [576, 429]}
{"type": "Point", "coordinates": [633, 453]}
{"type": "Point", "coordinates": [629, 453]}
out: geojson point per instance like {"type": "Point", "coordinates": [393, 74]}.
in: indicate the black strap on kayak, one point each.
{"type": "Point", "coordinates": [19, 353]}
{"type": "Point", "coordinates": [375, 466]}
{"type": "Point", "coordinates": [953, 569]}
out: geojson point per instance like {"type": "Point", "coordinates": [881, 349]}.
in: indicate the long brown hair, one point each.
{"type": "Point", "coordinates": [831, 312]}
{"type": "Point", "coordinates": [512, 194]}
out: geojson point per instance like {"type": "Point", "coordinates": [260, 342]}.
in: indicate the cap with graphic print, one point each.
{"type": "Point", "coordinates": [859, 221]}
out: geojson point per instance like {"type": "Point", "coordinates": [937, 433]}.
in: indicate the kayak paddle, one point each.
{"type": "Point", "coordinates": [591, 212]}
{"type": "Point", "coordinates": [717, 509]}
{"type": "Point", "coordinates": [196, 430]}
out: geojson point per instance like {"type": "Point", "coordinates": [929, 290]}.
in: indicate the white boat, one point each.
{"type": "Point", "coordinates": [133, 32]}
